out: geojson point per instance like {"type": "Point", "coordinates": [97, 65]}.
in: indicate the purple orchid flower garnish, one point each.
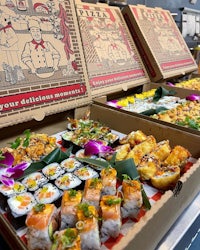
{"type": "Point", "coordinates": [8, 172]}
{"type": "Point", "coordinates": [193, 97]}
{"type": "Point", "coordinates": [96, 147]}
{"type": "Point", "coordinates": [170, 84]}
{"type": "Point", "coordinates": [114, 104]}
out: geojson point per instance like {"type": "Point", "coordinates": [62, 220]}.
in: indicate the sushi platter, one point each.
{"type": "Point", "coordinates": [84, 193]}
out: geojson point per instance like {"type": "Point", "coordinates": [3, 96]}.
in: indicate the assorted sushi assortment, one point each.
{"type": "Point", "coordinates": [92, 201]}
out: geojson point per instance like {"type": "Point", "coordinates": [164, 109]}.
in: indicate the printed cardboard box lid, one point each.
{"type": "Point", "coordinates": [42, 68]}
{"type": "Point", "coordinates": [112, 60]}
{"type": "Point", "coordinates": [159, 41]}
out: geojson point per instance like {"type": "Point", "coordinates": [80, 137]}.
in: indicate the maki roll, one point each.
{"type": "Point", "coordinates": [92, 192]}
{"type": "Point", "coordinates": [34, 181]}
{"type": "Point", "coordinates": [133, 138]}
{"type": "Point", "coordinates": [8, 191]}
{"type": "Point", "coordinates": [52, 171]}
{"type": "Point", "coordinates": [162, 150]}
{"type": "Point", "coordinates": [70, 164]}
{"type": "Point", "coordinates": [41, 223]}
{"type": "Point", "coordinates": [88, 227]}
{"type": "Point", "coordinates": [47, 194]}
{"type": "Point", "coordinates": [67, 239]}
{"type": "Point", "coordinates": [109, 181]}
{"type": "Point", "coordinates": [21, 204]}
{"type": "Point", "coordinates": [111, 216]}
{"type": "Point", "coordinates": [132, 198]}
{"type": "Point", "coordinates": [85, 173]}
{"type": "Point", "coordinates": [148, 167]}
{"type": "Point", "coordinates": [68, 213]}
{"type": "Point", "coordinates": [67, 181]}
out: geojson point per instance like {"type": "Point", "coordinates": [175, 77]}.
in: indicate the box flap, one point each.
{"type": "Point", "coordinates": [113, 62]}
{"type": "Point", "coordinates": [42, 68]}
{"type": "Point", "coordinates": [159, 41]}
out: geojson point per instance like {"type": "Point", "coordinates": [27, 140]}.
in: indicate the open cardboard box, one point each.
{"type": "Point", "coordinates": [166, 210]}
{"type": "Point", "coordinates": [159, 42]}
{"type": "Point", "coordinates": [145, 87]}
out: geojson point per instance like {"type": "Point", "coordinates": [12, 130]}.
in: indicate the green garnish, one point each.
{"type": "Point", "coordinates": [85, 208]}
{"type": "Point", "coordinates": [126, 177]}
{"type": "Point", "coordinates": [94, 182]}
{"type": "Point", "coordinates": [1, 156]}
{"type": "Point", "coordinates": [39, 208]}
{"type": "Point", "coordinates": [16, 143]}
{"type": "Point", "coordinates": [27, 133]}
{"type": "Point", "coordinates": [68, 237]}
{"type": "Point", "coordinates": [72, 193]}
{"type": "Point", "coordinates": [113, 201]}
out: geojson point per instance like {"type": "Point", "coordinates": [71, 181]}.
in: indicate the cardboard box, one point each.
{"type": "Point", "coordinates": [45, 74]}
{"type": "Point", "coordinates": [159, 41]}
{"type": "Point", "coordinates": [112, 60]}
{"type": "Point", "coordinates": [179, 92]}
{"type": "Point", "coordinates": [165, 211]}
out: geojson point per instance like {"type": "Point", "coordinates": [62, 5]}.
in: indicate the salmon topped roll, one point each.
{"type": "Point", "coordinates": [132, 198]}
{"type": "Point", "coordinates": [70, 200]}
{"type": "Point", "coordinates": [67, 239]}
{"type": "Point", "coordinates": [111, 216]}
{"type": "Point", "coordinates": [41, 223]}
{"type": "Point", "coordinates": [88, 227]}
{"type": "Point", "coordinates": [92, 192]}
{"type": "Point", "coordinates": [109, 180]}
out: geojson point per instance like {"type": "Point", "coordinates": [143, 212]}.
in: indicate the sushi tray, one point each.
{"type": "Point", "coordinates": [159, 103]}
{"type": "Point", "coordinates": [58, 191]}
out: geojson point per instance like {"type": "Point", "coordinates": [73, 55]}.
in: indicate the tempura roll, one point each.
{"type": "Point", "coordinates": [109, 181]}
{"type": "Point", "coordinates": [133, 138]}
{"type": "Point", "coordinates": [161, 151]}
{"type": "Point", "coordinates": [41, 223]}
{"type": "Point", "coordinates": [142, 149]}
{"type": "Point", "coordinates": [132, 198]}
{"type": "Point", "coordinates": [111, 216]}
{"type": "Point", "coordinates": [68, 212]}
{"type": "Point", "coordinates": [88, 227]}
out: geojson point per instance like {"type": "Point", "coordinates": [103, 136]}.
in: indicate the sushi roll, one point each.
{"type": "Point", "coordinates": [68, 213]}
{"type": "Point", "coordinates": [178, 156]}
{"type": "Point", "coordinates": [21, 204]}
{"type": "Point", "coordinates": [67, 239]}
{"type": "Point", "coordinates": [85, 173]}
{"type": "Point", "coordinates": [34, 181]}
{"type": "Point", "coordinates": [148, 167]}
{"type": "Point", "coordinates": [52, 171]}
{"type": "Point", "coordinates": [142, 149]}
{"type": "Point", "coordinates": [16, 188]}
{"type": "Point", "coordinates": [47, 194]}
{"type": "Point", "coordinates": [67, 181]}
{"type": "Point", "coordinates": [111, 216]}
{"type": "Point", "coordinates": [162, 150]}
{"type": "Point", "coordinates": [133, 138]}
{"type": "Point", "coordinates": [166, 177]}
{"type": "Point", "coordinates": [92, 192]}
{"type": "Point", "coordinates": [132, 198]}
{"type": "Point", "coordinates": [81, 154]}
{"type": "Point", "coordinates": [41, 223]}
{"type": "Point", "coordinates": [70, 164]}
{"type": "Point", "coordinates": [109, 181]}
{"type": "Point", "coordinates": [88, 227]}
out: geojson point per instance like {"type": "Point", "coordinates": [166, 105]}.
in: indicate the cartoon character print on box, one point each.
{"type": "Point", "coordinates": [107, 46]}
{"type": "Point", "coordinates": [35, 43]}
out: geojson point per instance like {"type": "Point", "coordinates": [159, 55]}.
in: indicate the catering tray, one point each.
{"type": "Point", "coordinates": [162, 205]}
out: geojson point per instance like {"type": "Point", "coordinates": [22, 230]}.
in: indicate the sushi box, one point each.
{"type": "Point", "coordinates": [159, 42]}
{"type": "Point", "coordinates": [164, 211]}
{"type": "Point", "coordinates": [112, 59]}
{"type": "Point", "coordinates": [109, 100]}
{"type": "Point", "coordinates": [51, 76]}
